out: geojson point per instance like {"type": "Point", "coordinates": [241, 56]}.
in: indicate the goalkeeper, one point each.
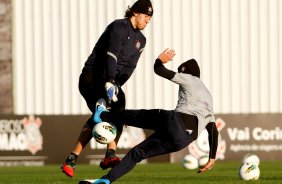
{"type": "Point", "coordinates": [174, 129]}
{"type": "Point", "coordinates": [110, 65]}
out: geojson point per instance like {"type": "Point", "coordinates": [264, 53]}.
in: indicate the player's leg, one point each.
{"type": "Point", "coordinates": [91, 91]}
{"type": "Point", "coordinates": [70, 163]}
{"type": "Point", "coordinates": [152, 146]}
{"type": "Point", "coordinates": [148, 119]}
{"type": "Point", "coordinates": [161, 142]}
{"type": "Point", "coordinates": [134, 156]}
{"type": "Point", "coordinates": [111, 159]}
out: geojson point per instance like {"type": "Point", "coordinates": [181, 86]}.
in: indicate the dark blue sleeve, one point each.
{"type": "Point", "coordinates": [117, 35]}
{"type": "Point", "coordinates": [162, 71]}
{"type": "Point", "coordinates": [213, 139]}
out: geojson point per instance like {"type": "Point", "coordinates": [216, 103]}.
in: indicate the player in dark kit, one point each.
{"type": "Point", "coordinates": [109, 66]}
{"type": "Point", "coordinates": [174, 129]}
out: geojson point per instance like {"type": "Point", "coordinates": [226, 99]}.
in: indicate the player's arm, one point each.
{"type": "Point", "coordinates": [117, 33]}
{"type": "Point", "coordinates": [213, 139]}
{"type": "Point", "coordinates": [163, 58]}
{"type": "Point", "coordinates": [213, 143]}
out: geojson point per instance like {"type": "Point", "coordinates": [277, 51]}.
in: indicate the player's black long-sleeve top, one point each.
{"type": "Point", "coordinates": [117, 52]}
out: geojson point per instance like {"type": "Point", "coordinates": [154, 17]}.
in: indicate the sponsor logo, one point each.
{"type": "Point", "coordinates": [254, 139]}
{"type": "Point", "coordinates": [150, 10]}
{"type": "Point", "coordinates": [21, 135]}
{"type": "Point", "coordinates": [257, 134]}
{"type": "Point", "coordinates": [137, 44]}
{"type": "Point", "coordinates": [34, 138]}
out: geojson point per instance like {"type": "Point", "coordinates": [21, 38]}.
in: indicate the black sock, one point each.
{"type": "Point", "coordinates": [72, 158]}
{"type": "Point", "coordinates": [105, 116]}
{"type": "Point", "coordinates": [111, 153]}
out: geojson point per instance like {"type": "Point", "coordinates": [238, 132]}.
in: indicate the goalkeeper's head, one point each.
{"type": "Point", "coordinates": [140, 6]}
{"type": "Point", "coordinates": [190, 67]}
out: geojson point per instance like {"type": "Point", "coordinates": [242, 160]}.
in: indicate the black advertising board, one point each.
{"type": "Point", "coordinates": [48, 139]}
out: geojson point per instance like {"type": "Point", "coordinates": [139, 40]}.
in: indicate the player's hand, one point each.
{"type": "Point", "coordinates": [207, 166]}
{"type": "Point", "coordinates": [112, 91]}
{"type": "Point", "coordinates": [167, 55]}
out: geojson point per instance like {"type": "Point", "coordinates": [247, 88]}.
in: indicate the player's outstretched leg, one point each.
{"type": "Point", "coordinates": [96, 181]}
{"type": "Point", "coordinates": [69, 165]}
{"type": "Point", "coordinates": [100, 107]}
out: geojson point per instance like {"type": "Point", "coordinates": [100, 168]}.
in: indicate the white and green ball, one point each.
{"type": "Point", "coordinates": [189, 162]}
{"type": "Point", "coordinates": [203, 160]}
{"type": "Point", "coordinates": [251, 159]}
{"type": "Point", "coordinates": [104, 132]}
{"type": "Point", "coordinates": [249, 171]}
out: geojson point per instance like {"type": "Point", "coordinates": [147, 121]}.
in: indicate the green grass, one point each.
{"type": "Point", "coordinates": [223, 172]}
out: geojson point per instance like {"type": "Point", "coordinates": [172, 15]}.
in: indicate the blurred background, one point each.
{"type": "Point", "coordinates": [44, 44]}
{"type": "Point", "coordinates": [236, 42]}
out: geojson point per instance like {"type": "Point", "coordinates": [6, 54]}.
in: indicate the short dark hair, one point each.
{"type": "Point", "coordinates": [190, 67]}
{"type": "Point", "coordinates": [140, 6]}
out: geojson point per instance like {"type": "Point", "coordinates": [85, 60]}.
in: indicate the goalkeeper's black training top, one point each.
{"type": "Point", "coordinates": [117, 52]}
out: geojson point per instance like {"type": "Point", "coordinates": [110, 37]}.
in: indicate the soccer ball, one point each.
{"type": "Point", "coordinates": [249, 172]}
{"type": "Point", "coordinates": [203, 160]}
{"type": "Point", "coordinates": [190, 162]}
{"type": "Point", "coordinates": [251, 159]}
{"type": "Point", "coordinates": [104, 132]}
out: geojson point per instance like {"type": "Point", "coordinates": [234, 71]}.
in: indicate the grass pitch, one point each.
{"type": "Point", "coordinates": [153, 173]}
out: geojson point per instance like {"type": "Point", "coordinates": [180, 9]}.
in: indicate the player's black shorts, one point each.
{"type": "Point", "coordinates": [92, 88]}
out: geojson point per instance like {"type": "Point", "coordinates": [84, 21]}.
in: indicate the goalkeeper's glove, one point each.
{"type": "Point", "coordinates": [112, 91]}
